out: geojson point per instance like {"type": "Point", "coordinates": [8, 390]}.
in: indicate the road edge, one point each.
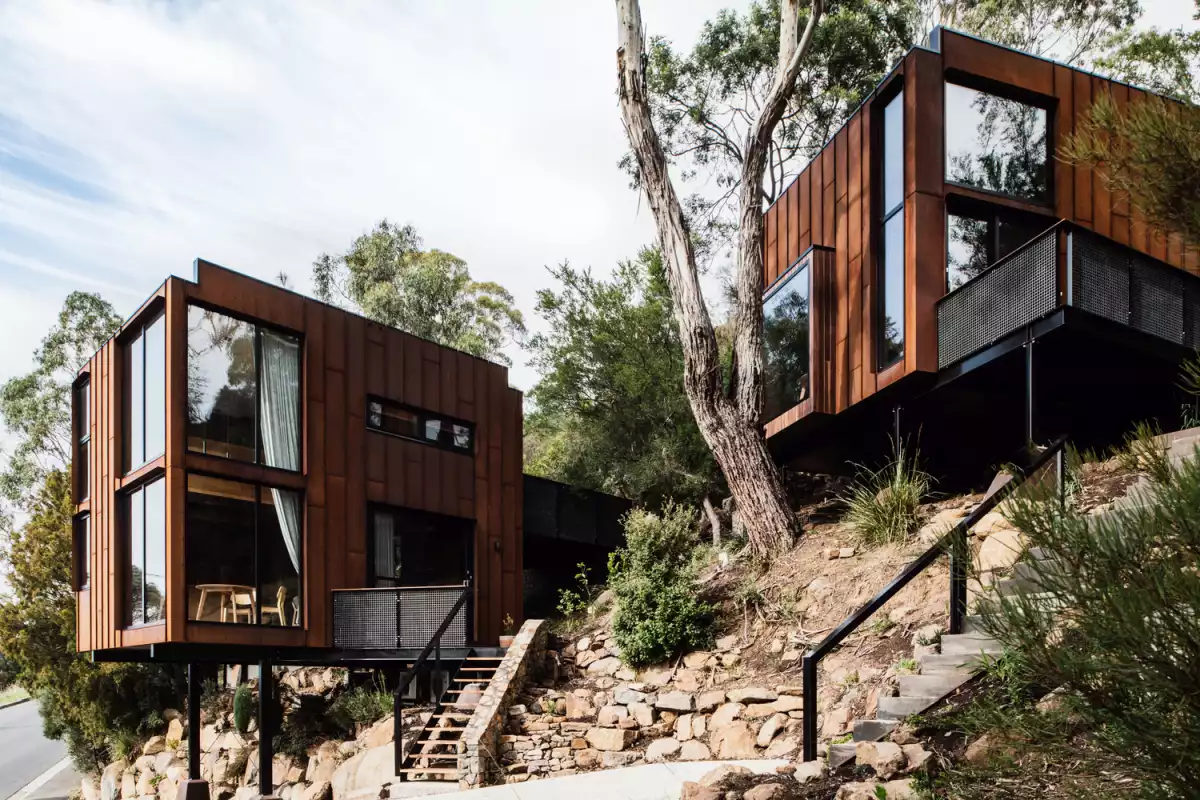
{"type": "Point", "coordinates": [11, 703]}
{"type": "Point", "coordinates": [41, 780]}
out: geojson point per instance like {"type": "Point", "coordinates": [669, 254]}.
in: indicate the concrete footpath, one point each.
{"type": "Point", "coordinates": [644, 782]}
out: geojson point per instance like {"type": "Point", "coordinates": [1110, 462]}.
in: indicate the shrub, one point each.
{"type": "Point", "coordinates": [1115, 622]}
{"type": "Point", "coordinates": [571, 601]}
{"type": "Point", "coordinates": [882, 504]}
{"type": "Point", "coordinates": [309, 722]}
{"type": "Point", "coordinates": [658, 612]}
{"type": "Point", "coordinates": [243, 707]}
{"type": "Point", "coordinates": [362, 706]}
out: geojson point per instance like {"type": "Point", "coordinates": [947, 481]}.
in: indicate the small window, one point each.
{"type": "Point", "coordinates": [83, 549]}
{"type": "Point", "coordinates": [786, 342]}
{"type": "Point", "coordinates": [145, 521]}
{"type": "Point", "coordinates": [145, 401]}
{"type": "Point", "coordinates": [83, 440]}
{"type": "Point", "coordinates": [423, 426]}
{"type": "Point", "coordinates": [996, 144]}
{"type": "Point", "coordinates": [890, 314]}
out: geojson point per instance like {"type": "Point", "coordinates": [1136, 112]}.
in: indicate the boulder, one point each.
{"type": "Point", "coordinates": [788, 703]}
{"type": "Point", "coordinates": [587, 758]}
{"type": "Point", "coordinates": [917, 757]}
{"type": "Point", "coordinates": [1001, 550]}
{"type": "Point", "coordinates": [111, 780]}
{"type": "Point", "coordinates": [727, 642]}
{"type": "Point", "coordinates": [752, 694]}
{"type": "Point", "coordinates": [642, 713]}
{"type": "Point", "coordinates": [725, 715]}
{"type": "Point", "coordinates": [175, 731]}
{"type": "Point", "coordinates": [699, 726]}
{"type": "Point", "coordinates": [864, 790]}
{"type": "Point", "coordinates": [719, 773]}
{"type": "Point", "coordinates": [708, 701]}
{"type": "Point", "coordinates": [626, 694]}
{"type": "Point", "coordinates": [697, 659]}
{"type": "Point", "coordinates": [321, 790]}
{"type": "Point", "coordinates": [610, 716]}
{"type": "Point", "coordinates": [735, 740]}
{"type": "Point", "coordinates": [612, 760]}
{"type": "Point", "coordinates": [609, 739]}
{"type": "Point", "coordinates": [369, 770]}
{"type": "Point", "coordinates": [379, 734]}
{"type": "Point", "coordinates": [585, 658]}
{"type": "Point", "coordinates": [811, 770]}
{"type": "Point", "coordinates": [676, 701]}
{"type": "Point", "coordinates": [88, 789]}
{"type": "Point", "coordinates": [583, 644]}
{"type": "Point", "coordinates": [770, 729]}
{"type": "Point", "coordinates": [657, 676]}
{"type": "Point", "coordinates": [992, 522]}
{"type": "Point", "coordinates": [604, 666]}
{"type": "Point", "coordinates": [694, 791]}
{"type": "Point", "coordinates": [154, 745]}
{"type": "Point", "coordinates": [758, 711]}
{"type": "Point", "coordinates": [694, 750]}
{"type": "Point", "coordinates": [766, 791]}
{"type": "Point", "coordinates": [661, 750]}
{"type": "Point", "coordinates": [782, 747]}
{"type": "Point", "coordinates": [579, 707]}
{"type": "Point", "coordinates": [885, 758]}
{"type": "Point", "coordinates": [129, 786]}
{"type": "Point", "coordinates": [683, 727]}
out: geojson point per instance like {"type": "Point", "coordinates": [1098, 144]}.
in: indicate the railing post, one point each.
{"type": "Point", "coordinates": [958, 583]}
{"type": "Point", "coordinates": [1030, 397]}
{"type": "Point", "coordinates": [266, 758]}
{"type": "Point", "coordinates": [193, 715]}
{"type": "Point", "coordinates": [1060, 477]}
{"type": "Point", "coordinates": [398, 727]}
{"type": "Point", "coordinates": [809, 681]}
{"type": "Point", "coordinates": [437, 663]}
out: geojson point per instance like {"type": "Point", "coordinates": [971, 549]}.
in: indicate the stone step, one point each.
{"type": "Point", "coordinates": [973, 623]}
{"type": "Point", "coordinates": [970, 644]}
{"type": "Point", "coordinates": [1038, 553]}
{"type": "Point", "coordinates": [840, 754]}
{"type": "Point", "coordinates": [1013, 586]}
{"type": "Point", "coordinates": [935, 685]}
{"type": "Point", "coordinates": [901, 707]}
{"type": "Point", "coordinates": [872, 730]}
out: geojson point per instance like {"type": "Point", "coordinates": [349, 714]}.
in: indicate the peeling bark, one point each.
{"type": "Point", "coordinates": [714, 521]}
{"type": "Point", "coordinates": [731, 425]}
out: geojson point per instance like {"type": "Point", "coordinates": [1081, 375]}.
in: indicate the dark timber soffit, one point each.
{"type": "Point", "coordinates": [182, 652]}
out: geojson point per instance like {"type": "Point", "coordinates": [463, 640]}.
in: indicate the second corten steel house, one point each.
{"type": "Point", "coordinates": [937, 273]}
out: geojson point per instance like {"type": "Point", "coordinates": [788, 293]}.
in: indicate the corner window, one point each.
{"type": "Point", "coordinates": [82, 549]}
{"type": "Point", "coordinates": [83, 440]}
{"type": "Point", "coordinates": [891, 252]}
{"type": "Point", "coordinates": [145, 522]}
{"type": "Point", "coordinates": [427, 427]}
{"type": "Point", "coordinates": [786, 342]}
{"type": "Point", "coordinates": [145, 397]}
{"type": "Point", "coordinates": [243, 552]}
{"type": "Point", "coordinates": [243, 390]}
{"type": "Point", "coordinates": [978, 238]}
{"type": "Point", "coordinates": [996, 144]}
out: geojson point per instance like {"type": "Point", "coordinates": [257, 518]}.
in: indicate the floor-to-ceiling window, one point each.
{"type": "Point", "coordinates": [243, 390]}
{"type": "Point", "coordinates": [891, 250]}
{"type": "Point", "coordinates": [83, 440]}
{"type": "Point", "coordinates": [145, 394]}
{"type": "Point", "coordinates": [144, 518]}
{"type": "Point", "coordinates": [786, 340]}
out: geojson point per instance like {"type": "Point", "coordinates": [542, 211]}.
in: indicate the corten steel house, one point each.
{"type": "Point", "coordinates": [937, 272]}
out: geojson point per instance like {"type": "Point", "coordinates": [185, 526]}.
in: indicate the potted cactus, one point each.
{"type": "Point", "coordinates": [508, 630]}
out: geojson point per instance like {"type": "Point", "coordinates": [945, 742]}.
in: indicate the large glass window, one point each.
{"type": "Point", "coordinates": [414, 548]}
{"type": "Point", "coordinates": [976, 239]}
{"type": "Point", "coordinates": [786, 342]}
{"type": "Point", "coordinates": [423, 426]}
{"type": "Point", "coordinates": [145, 401]}
{"type": "Point", "coordinates": [243, 552]}
{"type": "Point", "coordinates": [996, 144]}
{"type": "Point", "coordinates": [83, 439]}
{"type": "Point", "coordinates": [146, 524]}
{"type": "Point", "coordinates": [891, 252]}
{"type": "Point", "coordinates": [243, 390]}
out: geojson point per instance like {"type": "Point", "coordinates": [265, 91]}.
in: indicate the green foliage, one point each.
{"type": "Point", "coordinates": [882, 625]}
{"type": "Point", "coordinates": [1150, 150]}
{"type": "Point", "coordinates": [362, 706]}
{"type": "Point", "coordinates": [571, 601]}
{"type": "Point", "coordinates": [100, 710]}
{"type": "Point", "coordinates": [882, 505]}
{"type": "Point", "coordinates": [908, 665]}
{"type": "Point", "coordinates": [429, 293]}
{"type": "Point", "coordinates": [1115, 625]}
{"type": "Point", "coordinates": [308, 723]}
{"type": "Point", "coordinates": [610, 410]}
{"type": "Point", "coordinates": [1163, 61]}
{"type": "Point", "coordinates": [658, 612]}
{"type": "Point", "coordinates": [508, 627]}
{"type": "Point", "coordinates": [243, 707]}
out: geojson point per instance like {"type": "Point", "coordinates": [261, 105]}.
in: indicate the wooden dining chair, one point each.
{"type": "Point", "coordinates": [280, 607]}
{"type": "Point", "coordinates": [241, 605]}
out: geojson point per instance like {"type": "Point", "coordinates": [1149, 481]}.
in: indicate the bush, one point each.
{"type": "Point", "coordinates": [1116, 625]}
{"type": "Point", "coordinates": [243, 708]}
{"type": "Point", "coordinates": [309, 722]}
{"type": "Point", "coordinates": [658, 613]}
{"type": "Point", "coordinates": [882, 504]}
{"type": "Point", "coordinates": [362, 706]}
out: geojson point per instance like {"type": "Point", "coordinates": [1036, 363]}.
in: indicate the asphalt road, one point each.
{"type": "Point", "coordinates": [25, 754]}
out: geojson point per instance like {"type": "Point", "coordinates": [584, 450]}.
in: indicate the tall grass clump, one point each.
{"type": "Point", "coordinates": [882, 505]}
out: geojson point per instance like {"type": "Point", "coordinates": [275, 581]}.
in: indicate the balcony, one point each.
{"type": "Point", "coordinates": [1068, 266]}
{"type": "Point", "coordinates": [402, 617]}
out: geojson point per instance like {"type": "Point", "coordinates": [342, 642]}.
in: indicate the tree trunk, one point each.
{"type": "Point", "coordinates": [714, 520]}
{"type": "Point", "coordinates": [731, 425]}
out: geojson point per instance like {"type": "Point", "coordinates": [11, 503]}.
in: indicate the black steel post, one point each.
{"type": "Point", "coordinates": [899, 445]}
{"type": "Point", "coordinates": [266, 758]}
{"type": "Point", "coordinates": [809, 680]}
{"type": "Point", "coordinates": [958, 582]}
{"type": "Point", "coordinates": [398, 727]}
{"type": "Point", "coordinates": [437, 667]}
{"type": "Point", "coordinates": [1030, 405]}
{"type": "Point", "coordinates": [193, 712]}
{"type": "Point", "coordinates": [1060, 476]}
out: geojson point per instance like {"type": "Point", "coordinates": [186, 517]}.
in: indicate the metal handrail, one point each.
{"type": "Point", "coordinates": [954, 542]}
{"type": "Point", "coordinates": [435, 647]}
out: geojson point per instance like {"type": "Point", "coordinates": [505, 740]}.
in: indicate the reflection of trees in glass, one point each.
{"type": "Point", "coordinates": [135, 594]}
{"type": "Point", "coordinates": [785, 339]}
{"type": "Point", "coordinates": [221, 378]}
{"type": "Point", "coordinates": [1005, 150]}
{"type": "Point", "coordinates": [967, 255]}
{"type": "Point", "coordinates": [893, 343]}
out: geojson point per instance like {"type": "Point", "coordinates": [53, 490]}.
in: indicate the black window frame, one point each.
{"type": "Point", "coordinates": [802, 264]}
{"type": "Point", "coordinates": [124, 506]}
{"type": "Point", "coordinates": [81, 546]}
{"type": "Point", "coordinates": [137, 333]}
{"type": "Point", "coordinates": [258, 326]}
{"type": "Point", "coordinates": [469, 530]}
{"type": "Point", "coordinates": [82, 432]}
{"type": "Point", "coordinates": [894, 93]}
{"type": "Point", "coordinates": [423, 415]}
{"type": "Point", "coordinates": [259, 486]}
{"type": "Point", "coordinates": [991, 214]}
{"type": "Point", "coordinates": [1016, 94]}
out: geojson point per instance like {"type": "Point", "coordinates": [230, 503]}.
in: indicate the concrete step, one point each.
{"type": "Point", "coordinates": [954, 662]}
{"type": "Point", "coordinates": [1038, 553]}
{"type": "Point", "coordinates": [840, 754]}
{"type": "Point", "coordinates": [901, 707]}
{"type": "Point", "coordinates": [973, 623]}
{"type": "Point", "coordinates": [872, 730]}
{"type": "Point", "coordinates": [935, 685]}
{"type": "Point", "coordinates": [1012, 586]}
{"type": "Point", "coordinates": [970, 644]}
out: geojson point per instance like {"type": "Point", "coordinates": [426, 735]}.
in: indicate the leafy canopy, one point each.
{"type": "Point", "coordinates": [610, 411]}
{"type": "Point", "coordinates": [429, 293]}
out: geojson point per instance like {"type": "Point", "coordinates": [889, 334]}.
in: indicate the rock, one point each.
{"type": "Point", "coordinates": [886, 758]}
{"type": "Point", "coordinates": [770, 729]}
{"type": "Point", "coordinates": [992, 522]}
{"type": "Point", "coordinates": [758, 711]}
{"type": "Point", "coordinates": [845, 552]}
{"type": "Point", "coordinates": [611, 760]}
{"type": "Point", "coordinates": [518, 710]}
{"type": "Point", "coordinates": [730, 659]}
{"type": "Point", "coordinates": [811, 771]}
{"type": "Point", "coordinates": [752, 694]}
{"type": "Point", "coordinates": [611, 716]}
{"type": "Point", "coordinates": [129, 785]}
{"type": "Point", "coordinates": [726, 643]}
{"type": "Point", "coordinates": [626, 694]}
{"type": "Point", "coordinates": [604, 666]}
{"type": "Point", "coordinates": [585, 658]}
{"type": "Point", "coordinates": [661, 750]}
{"type": "Point", "coordinates": [917, 757]}
{"type": "Point", "coordinates": [831, 553]}
{"type": "Point", "coordinates": [689, 680]}
{"type": "Point", "coordinates": [859, 791]}
{"type": "Point", "coordinates": [788, 703]}
{"type": "Point", "coordinates": [986, 747]}
{"type": "Point", "coordinates": [766, 791]}
{"type": "Point", "coordinates": [625, 674]}
{"type": "Point", "coordinates": [144, 785]}
{"type": "Point", "coordinates": [783, 747]}
{"type": "Point", "coordinates": [88, 789]}
{"type": "Point", "coordinates": [676, 701]}
{"type": "Point", "coordinates": [694, 750]}
{"type": "Point", "coordinates": [699, 726]}
{"type": "Point", "coordinates": [368, 770]}
{"type": "Point", "coordinates": [903, 734]}
{"type": "Point", "coordinates": [708, 701]}
{"type": "Point", "coordinates": [939, 525]}
{"type": "Point", "coordinates": [154, 745]}
{"type": "Point", "coordinates": [111, 780]}
{"type": "Point", "coordinates": [790, 657]}
{"type": "Point", "coordinates": [587, 758]}
{"type": "Point", "coordinates": [1001, 550]}
{"type": "Point", "coordinates": [657, 676]}
{"type": "Point", "coordinates": [175, 731]}
{"type": "Point", "coordinates": [724, 715]}
{"type": "Point", "coordinates": [610, 739]}
{"type": "Point", "coordinates": [694, 791]}
{"type": "Point", "coordinates": [900, 790]}
{"type": "Point", "coordinates": [683, 727]}
{"type": "Point", "coordinates": [579, 707]}
{"type": "Point", "coordinates": [322, 790]}
{"type": "Point", "coordinates": [379, 734]}
{"type": "Point", "coordinates": [734, 741]}
{"type": "Point", "coordinates": [583, 644]}
{"type": "Point", "coordinates": [697, 659]}
{"type": "Point", "coordinates": [642, 713]}
{"type": "Point", "coordinates": [777, 646]}
{"type": "Point", "coordinates": [246, 793]}
{"type": "Point", "coordinates": [719, 773]}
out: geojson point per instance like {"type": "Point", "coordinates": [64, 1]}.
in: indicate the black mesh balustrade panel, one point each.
{"type": "Point", "coordinates": [1015, 292]}
{"type": "Point", "coordinates": [422, 611]}
{"type": "Point", "coordinates": [365, 620]}
{"type": "Point", "coordinates": [1128, 287]}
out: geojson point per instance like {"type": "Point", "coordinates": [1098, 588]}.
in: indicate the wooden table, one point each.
{"type": "Point", "coordinates": [224, 591]}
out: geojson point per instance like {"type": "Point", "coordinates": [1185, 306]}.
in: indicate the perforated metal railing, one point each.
{"type": "Point", "coordinates": [404, 617]}
{"type": "Point", "coordinates": [1015, 291]}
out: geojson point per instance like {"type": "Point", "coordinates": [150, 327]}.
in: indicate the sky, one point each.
{"type": "Point", "coordinates": [137, 135]}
